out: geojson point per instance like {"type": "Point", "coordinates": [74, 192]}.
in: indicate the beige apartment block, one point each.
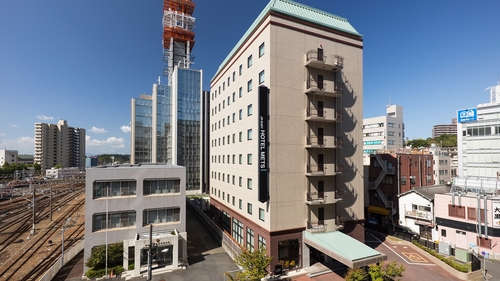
{"type": "Point", "coordinates": [286, 168]}
{"type": "Point", "coordinates": [59, 144]}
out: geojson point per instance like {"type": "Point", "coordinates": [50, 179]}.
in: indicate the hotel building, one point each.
{"type": "Point", "coordinates": [285, 164]}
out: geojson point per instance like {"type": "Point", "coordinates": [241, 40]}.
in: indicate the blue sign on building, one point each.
{"type": "Point", "coordinates": [467, 115]}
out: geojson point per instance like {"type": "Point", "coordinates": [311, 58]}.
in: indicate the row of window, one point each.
{"type": "Point", "coordinates": [217, 159]}
{"type": "Point", "coordinates": [237, 234]}
{"type": "Point", "coordinates": [481, 130]}
{"type": "Point", "coordinates": [240, 180]}
{"type": "Point", "coordinates": [224, 121]}
{"type": "Point", "coordinates": [240, 72]}
{"type": "Point", "coordinates": [232, 200]}
{"type": "Point", "coordinates": [217, 142]}
{"type": "Point", "coordinates": [128, 218]}
{"type": "Point", "coordinates": [129, 187]}
{"type": "Point", "coordinates": [460, 212]}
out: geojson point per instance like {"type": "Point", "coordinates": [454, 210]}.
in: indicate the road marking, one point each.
{"type": "Point", "coordinates": [383, 243]}
{"type": "Point", "coordinates": [414, 257]}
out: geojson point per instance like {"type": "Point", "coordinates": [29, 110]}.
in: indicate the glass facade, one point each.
{"type": "Point", "coordinates": [143, 130]}
{"type": "Point", "coordinates": [186, 104]}
{"type": "Point", "coordinates": [188, 125]}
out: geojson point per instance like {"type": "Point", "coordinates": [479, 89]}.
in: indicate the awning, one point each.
{"type": "Point", "coordinates": [379, 210]}
{"type": "Point", "coordinates": [343, 248]}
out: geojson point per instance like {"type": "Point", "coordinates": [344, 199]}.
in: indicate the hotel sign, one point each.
{"type": "Point", "coordinates": [263, 148]}
{"type": "Point", "coordinates": [467, 115]}
{"type": "Point", "coordinates": [496, 213]}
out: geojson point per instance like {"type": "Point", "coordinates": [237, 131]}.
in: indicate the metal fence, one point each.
{"type": "Point", "coordinates": [68, 255]}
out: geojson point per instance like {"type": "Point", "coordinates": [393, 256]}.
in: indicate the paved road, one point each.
{"type": "Point", "coordinates": [417, 266]}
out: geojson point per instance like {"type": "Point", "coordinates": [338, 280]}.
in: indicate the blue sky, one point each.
{"type": "Point", "coordinates": [83, 61]}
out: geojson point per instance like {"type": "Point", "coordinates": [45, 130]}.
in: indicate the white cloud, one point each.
{"type": "Point", "coordinates": [1, 135]}
{"type": "Point", "coordinates": [14, 125]}
{"type": "Point", "coordinates": [97, 130]}
{"type": "Point", "coordinates": [109, 145]}
{"type": "Point", "coordinates": [125, 129]}
{"type": "Point", "coordinates": [24, 145]}
{"type": "Point", "coordinates": [43, 117]}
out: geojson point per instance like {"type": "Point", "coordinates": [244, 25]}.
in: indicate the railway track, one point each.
{"type": "Point", "coordinates": [29, 258]}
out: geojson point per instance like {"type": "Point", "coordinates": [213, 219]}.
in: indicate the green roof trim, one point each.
{"type": "Point", "coordinates": [297, 10]}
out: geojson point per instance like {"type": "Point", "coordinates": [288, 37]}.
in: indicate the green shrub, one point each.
{"type": "Point", "coordinates": [97, 273]}
{"type": "Point", "coordinates": [131, 266]}
{"type": "Point", "coordinates": [449, 261]}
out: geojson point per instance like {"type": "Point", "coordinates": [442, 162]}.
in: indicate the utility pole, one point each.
{"type": "Point", "coordinates": [150, 253]}
{"type": "Point", "coordinates": [34, 209]}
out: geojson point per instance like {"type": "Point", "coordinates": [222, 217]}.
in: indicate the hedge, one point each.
{"type": "Point", "coordinates": [449, 261]}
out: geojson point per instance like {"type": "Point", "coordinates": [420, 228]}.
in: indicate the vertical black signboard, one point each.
{"type": "Point", "coordinates": [263, 143]}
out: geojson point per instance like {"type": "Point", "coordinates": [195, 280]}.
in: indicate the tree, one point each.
{"type": "Point", "coordinates": [254, 265]}
{"type": "Point", "coordinates": [376, 272]}
{"type": "Point", "coordinates": [97, 259]}
{"type": "Point", "coordinates": [57, 166]}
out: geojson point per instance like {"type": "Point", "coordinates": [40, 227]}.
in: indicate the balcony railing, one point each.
{"type": "Point", "coordinates": [322, 87]}
{"type": "Point", "coordinates": [324, 169]}
{"type": "Point", "coordinates": [419, 214]}
{"type": "Point", "coordinates": [313, 114]}
{"type": "Point", "coordinates": [318, 59]}
{"type": "Point", "coordinates": [316, 226]}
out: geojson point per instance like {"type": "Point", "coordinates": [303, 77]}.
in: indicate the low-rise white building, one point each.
{"type": "Point", "coordinates": [131, 198]}
{"type": "Point", "coordinates": [62, 173]}
{"type": "Point", "coordinates": [416, 210]}
{"type": "Point", "coordinates": [8, 156]}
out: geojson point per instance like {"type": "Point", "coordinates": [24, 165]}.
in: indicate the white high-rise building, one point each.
{"type": "Point", "coordinates": [59, 144]}
{"type": "Point", "coordinates": [384, 132]}
{"type": "Point", "coordinates": [478, 138]}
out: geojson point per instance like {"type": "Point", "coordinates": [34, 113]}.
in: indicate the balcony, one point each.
{"type": "Point", "coordinates": [317, 59]}
{"type": "Point", "coordinates": [322, 115]}
{"type": "Point", "coordinates": [419, 214]}
{"type": "Point", "coordinates": [324, 142]}
{"type": "Point", "coordinates": [315, 198]}
{"type": "Point", "coordinates": [325, 225]}
{"type": "Point", "coordinates": [324, 169]}
{"type": "Point", "coordinates": [326, 88]}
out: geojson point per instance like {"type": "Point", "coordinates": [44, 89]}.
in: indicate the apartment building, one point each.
{"type": "Point", "coordinates": [284, 168]}
{"type": "Point", "coordinates": [384, 132]}
{"type": "Point", "coordinates": [59, 144]}
{"type": "Point", "coordinates": [445, 129]}
{"type": "Point", "coordinates": [442, 164]}
{"type": "Point", "coordinates": [130, 198]}
{"type": "Point", "coordinates": [478, 138]}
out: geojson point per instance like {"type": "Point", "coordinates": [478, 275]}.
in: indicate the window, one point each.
{"type": "Point", "coordinates": [249, 61]}
{"type": "Point", "coordinates": [150, 216]}
{"type": "Point", "coordinates": [161, 186]}
{"type": "Point", "coordinates": [249, 159]}
{"type": "Point", "coordinates": [456, 211]}
{"type": "Point", "coordinates": [261, 214]}
{"type": "Point", "coordinates": [261, 50]}
{"type": "Point", "coordinates": [228, 101]}
{"type": "Point", "coordinates": [249, 110]}
{"type": "Point", "coordinates": [233, 200]}
{"type": "Point", "coordinates": [249, 134]}
{"type": "Point", "coordinates": [234, 158]}
{"type": "Point", "coordinates": [443, 232]}
{"type": "Point", "coordinates": [234, 117]}
{"type": "Point", "coordinates": [262, 242]}
{"type": "Point", "coordinates": [241, 69]}
{"type": "Point", "coordinates": [241, 91]}
{"type": "Point", "coordinates": [234, 75]}
{"type": "Point", "coordinates": [234, 136]}
{"type": "Point", "coordinates": [228, 81]}
{"type": "Point", "coordinates": [403, 180]}
{"type": "Point", "coordinates": [240, 203]}
{"type": "Point", "coordinates": [240, 181]}
{"type": "Point", "coordinates": [115, 220]}
{"type": "Point", "coordinates": [233, 182]}
{"type": "Point", "coordinates": [234, 96]}
{"type": "Point", "coordinates": [250, 239]}
{"type": "Point", "coordinates": [261, 77]}
{"type": "Point", "coordinates": [223, 86]}
{"type": "Point", "coordinates": [289, 250]}
{"type": "Point", "coordinates": [249, 208]}
{"type": "Point", "coordinates": [249, 85]}
{"type": "Point", "coordinates": [249, 183]}
{"type": "Point", "coordinates": [241, 114]}
{"type": "Point", "coordinates": [241, 136]}
{"type": "Point", "coordinates": [241, 158]}
{"type": "Point", "coordinates": [115, 188]}
{"type": "Point", "coordinates": [238, 231]}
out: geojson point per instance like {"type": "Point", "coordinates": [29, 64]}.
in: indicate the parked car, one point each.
{"type": "Point", "coordinates": [407, 231]}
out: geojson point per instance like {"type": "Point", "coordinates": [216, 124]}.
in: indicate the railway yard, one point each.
{"type": "Point", "coordinates": [27, 249]}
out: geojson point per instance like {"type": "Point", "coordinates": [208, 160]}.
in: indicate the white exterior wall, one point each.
{"type": "Point", "coordinates": [408, 217]}
{"type": "Point", "coordinates": [377, 130]}
{"type": "Point", "coordinates": [137, 203]}
{"type": "Point", "coordinates": [8, 156]}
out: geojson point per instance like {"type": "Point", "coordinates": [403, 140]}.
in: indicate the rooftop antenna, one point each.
{"type": "Point", "coordinates": [390, 101]}
{"type": "Point", "coordinates": [159, 81]}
